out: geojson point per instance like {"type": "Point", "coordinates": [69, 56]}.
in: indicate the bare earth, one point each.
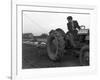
{"type": "Point", "coordinates": [33, 57]}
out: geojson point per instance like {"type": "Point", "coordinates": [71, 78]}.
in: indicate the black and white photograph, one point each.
{"type": "Point", "coordinates": [50, 40]}
{"type": "Point", "coordinates": [53, 39]}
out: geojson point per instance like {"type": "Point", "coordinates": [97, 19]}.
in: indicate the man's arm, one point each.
{"type": "Point", "coordinates": [77, 25]}
{"type": "Point", "coordinates": [68, 27]}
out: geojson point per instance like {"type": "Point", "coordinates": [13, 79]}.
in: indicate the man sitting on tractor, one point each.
{"type": "Point", "coordinates": [73, 27]}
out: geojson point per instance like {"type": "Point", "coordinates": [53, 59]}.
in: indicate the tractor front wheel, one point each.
{"type": "Point", "coordinates": [84, 55]}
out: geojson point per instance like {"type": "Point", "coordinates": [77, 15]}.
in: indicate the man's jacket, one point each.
{"type": "Point", "coordinates": [73, 25]}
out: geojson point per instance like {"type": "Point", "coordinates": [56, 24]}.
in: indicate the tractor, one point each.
{"type": "Point", "coordinates": [59, 43]}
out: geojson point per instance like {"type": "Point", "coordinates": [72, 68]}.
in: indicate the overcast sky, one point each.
{"type": "Point", "coordinates": [41, 22]}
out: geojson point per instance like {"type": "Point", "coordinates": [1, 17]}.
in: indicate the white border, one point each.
{"type": "Point", "coordinates": [17, 71]}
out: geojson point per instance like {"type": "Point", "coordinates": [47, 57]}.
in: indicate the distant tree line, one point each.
{"type": "Point", "coordinates": [31, 36]}
{"type": "Point", "coordinates": [44, 35]}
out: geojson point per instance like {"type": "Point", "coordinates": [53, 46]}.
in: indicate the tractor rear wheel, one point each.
{"type": "Point", "coordinates": [55, 45]}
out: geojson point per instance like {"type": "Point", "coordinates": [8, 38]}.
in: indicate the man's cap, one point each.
{"type": "Point", "coordinates": [69, 17]}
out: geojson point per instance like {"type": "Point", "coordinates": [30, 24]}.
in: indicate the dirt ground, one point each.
{"type": "Point", "coordinates": [33, 57]}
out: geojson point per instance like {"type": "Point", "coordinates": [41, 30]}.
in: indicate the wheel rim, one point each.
{"type": "Point", "coordinates": [53, 49]}
{"type": "Point", "coordinates": [53, 46]}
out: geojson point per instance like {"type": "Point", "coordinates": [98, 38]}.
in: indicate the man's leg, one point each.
{"type": "Point", "coordinates": [75, 34]}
